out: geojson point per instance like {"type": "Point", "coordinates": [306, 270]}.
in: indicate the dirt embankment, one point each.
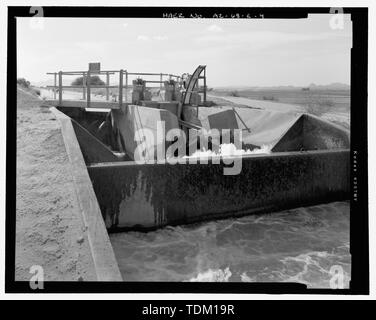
{"type": "Point", "coordinates": [49, 228]}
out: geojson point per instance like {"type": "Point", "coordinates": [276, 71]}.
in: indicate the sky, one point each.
{"type": "Point", "coordinates": [246, 52]}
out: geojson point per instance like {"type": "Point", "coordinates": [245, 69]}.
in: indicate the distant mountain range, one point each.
{"type": "Point", "coordinates": [312, 86]}
{"type": "Point", "coordinates": [332, 86]}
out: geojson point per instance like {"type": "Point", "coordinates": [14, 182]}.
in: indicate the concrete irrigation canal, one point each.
{"type": "Point", "coordinates": [285, 159]}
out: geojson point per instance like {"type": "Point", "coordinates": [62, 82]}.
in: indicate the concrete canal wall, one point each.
{"type": "Point", "coordinates": [153, 195]}
{"type": "Point", "coordinates": [103, 256]}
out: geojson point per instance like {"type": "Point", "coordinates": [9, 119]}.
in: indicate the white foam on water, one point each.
{"type": "Point", "coordinates": [314, 266]}
{"type": "Point", "coordinates": [229, 149]}
{"type": "Point", "coordinates": [297, 245]}
{"type": "Point", "coordinates": [211, 275]}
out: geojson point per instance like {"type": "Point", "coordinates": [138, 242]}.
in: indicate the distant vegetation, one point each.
{"type": "Point", "coordinates": [94, 80]}
{"type": "Point", "coordinates": [316, 101]}
{"type": "Point", "coordinates": [27, 86]}
{"type": "Point", "coordinates": [23, 82]}
{"type": "Point", "coordinates": [234, 93]}
{"type": "Point", "coordinates": [269, 98]}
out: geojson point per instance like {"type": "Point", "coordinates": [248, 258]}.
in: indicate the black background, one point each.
{"type": "Point", "coordinates": [359, 246]}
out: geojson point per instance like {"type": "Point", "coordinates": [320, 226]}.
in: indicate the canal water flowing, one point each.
{"type": "Point", "coordinates": [306, 245]}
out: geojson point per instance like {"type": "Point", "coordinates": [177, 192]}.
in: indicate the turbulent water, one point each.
{"type": "Point", "coordinates": [301, 245]}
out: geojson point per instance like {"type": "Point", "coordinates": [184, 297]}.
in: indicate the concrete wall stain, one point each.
{"type": "Point", "coordinates": [185, 193]}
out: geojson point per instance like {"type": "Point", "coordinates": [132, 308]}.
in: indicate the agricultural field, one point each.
{"type": "Point", "coordinates": [315, 101]}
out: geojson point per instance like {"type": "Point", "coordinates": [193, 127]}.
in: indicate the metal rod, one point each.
{"type": "Point", "coordinates": [121, 88]}
{"type": "Point", "coordinates": [55, 75]}
{"type": "Point", "coordinates": [126, 86]}
{"type": "Point", "coordinates": [80, 87]}
{"type": "Point", "coordinates": [107, 84]}
{"type": "Point", "coordinates": [189, 124]}
{"type": "Point", "coordinates": [80, 72]}
{"type": "Point", "coordinates": [151, 81]}
{"type": "Point", "coordinates": [205, 85]}
{"type": "Point", "coordinates": [116, 71]}
{"type": "Point", "coordinates": [60, 88]}
{"type": "Point", "coordinates": [88, 80]}
{"type": "Point", "coordinates": [247, 128]}
{"type": "Point", "coordinates": [151, 74]}
{"type": "Point", "coordinates": [83, 86]}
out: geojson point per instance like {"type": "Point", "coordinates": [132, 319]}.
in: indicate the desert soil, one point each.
{"type": "Point", "coordinates": [50, 231]}
{"type": "Point", "coordinates": [342, 118]}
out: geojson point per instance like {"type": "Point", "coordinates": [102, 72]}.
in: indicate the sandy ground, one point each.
{"type": "Point", "coordinates": [49, 228]}
{"type": "Point", "coordinates": [342, 118]}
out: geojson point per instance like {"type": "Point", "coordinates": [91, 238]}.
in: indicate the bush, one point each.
{"type": "Point", "coordinates": [23, 82]}
{"type": "Point", "coordinates": [37, 92]}
{"type": "Point", "coordinates": [94, 80]}
{"type": "Point", "coordinates": [325, 103]}
{"type": "Point", "coordinates": [234, 93]}
{"type": "Point", "coordinates": [269, 98]}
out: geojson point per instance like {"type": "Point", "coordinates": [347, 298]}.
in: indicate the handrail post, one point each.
{"type": "Point", "coordinates": [107, 84]}
{"type": "Point", "coordinates": [83, 86]}
{"type": "Point", "coordinates": [126, 86]}
{"type": "Point", "coordinates": [205, 85]}
{"type": "Point", "coordinates": [60, 88]}
{"type": "Point", "coordinates": [121, 89]}
{"type": "Point", "coordinates": [161, 79]}
{"type": "Point", "coordinates": [88, 79]}
{"type": "Point", "coordinates": [55, 76]}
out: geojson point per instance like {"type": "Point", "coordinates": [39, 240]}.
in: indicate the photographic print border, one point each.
{"type": "Point", "coordinates": [359, 244]}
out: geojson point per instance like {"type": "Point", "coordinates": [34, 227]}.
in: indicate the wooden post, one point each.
{"type": "Point", "coordinates": [107, 84]}
{"type": "Point", "coordinates": [121, 89]}
{"type": "Point", "coordinates": [83, 86]}
{"type": "Point", "coordinates": [88, 78]}
{"type": "Point", "coordinates": [55, 76]}
{"type": "Point", "coordinates": [160, 85]}
{"type": "Point", "coordinates": [60, 88]}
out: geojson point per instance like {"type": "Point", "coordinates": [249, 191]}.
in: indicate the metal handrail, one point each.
{"type": "Point", "coordinates": [87, 87]}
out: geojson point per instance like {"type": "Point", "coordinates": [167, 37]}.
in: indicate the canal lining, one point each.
{"type": "Point", "coordinates": [105, 263]}
{"type": "Point", "coordinates": [284, 179]}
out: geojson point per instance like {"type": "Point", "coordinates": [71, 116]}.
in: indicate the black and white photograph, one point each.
{"type": "Point", "coordinates": [170, 148]}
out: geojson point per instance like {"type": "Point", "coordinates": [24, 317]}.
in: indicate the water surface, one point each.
{"type": "Point", "coordinates": [299, 245]}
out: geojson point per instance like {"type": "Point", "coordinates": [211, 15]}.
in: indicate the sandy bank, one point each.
{"type": "Point", "coordinates": [49, 228]}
